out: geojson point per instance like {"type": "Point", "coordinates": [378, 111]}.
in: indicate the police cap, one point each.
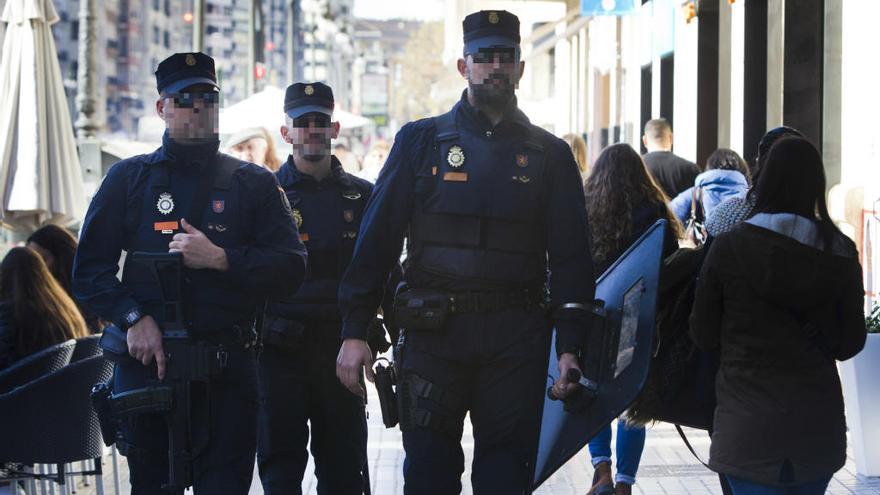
{"type": "Point", "coordinates": [182, 70]}
{"type": "Point", "coordinates": [302, 98]}
{"type": "Point", "coordinates": [490, 28]}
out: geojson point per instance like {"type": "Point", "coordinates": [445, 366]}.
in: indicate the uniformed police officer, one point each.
{"type": "Point", "coordinates": [488, 202]}
{"type": "Point", "coordinates": [301, 334]}
{"type": "Point", "coordinates": [234, 229]}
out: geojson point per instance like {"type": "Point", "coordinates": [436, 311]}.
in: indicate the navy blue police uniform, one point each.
{"type": "Point", "coordinates": [138, 208]}
{"type": "Point", "coordinates": [299, 390]}
{"type": "Point", "coordinates": [486, 211]}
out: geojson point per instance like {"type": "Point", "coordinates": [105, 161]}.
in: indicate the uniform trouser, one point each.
{"type": "Point", "coordinates": [223, 430]}
{"type": "Point", "coordinates": [299, 390]}
{"type": "Point", "coordinates": [492, 365]}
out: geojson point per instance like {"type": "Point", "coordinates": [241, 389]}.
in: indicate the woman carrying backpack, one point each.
{"type": "Point", "coordinates": [622, 203]}
{"type": "Point", "coordinates": [781, 297]}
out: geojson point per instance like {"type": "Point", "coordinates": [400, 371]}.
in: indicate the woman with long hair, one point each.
{"type": "Point", "coordinates": [781, 296]}
{"type": "Point", "coordinates": [35, 311]}
{"type": "Point", "coordinates": [57, 246]}
{"type": "Point", "coordinates": [623, 201]}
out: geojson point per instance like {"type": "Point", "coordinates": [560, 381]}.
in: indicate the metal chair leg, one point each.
{"type": "Point", "coordinates": [99, 476]}
{"type": "Point", "coordinates": [117, 486]}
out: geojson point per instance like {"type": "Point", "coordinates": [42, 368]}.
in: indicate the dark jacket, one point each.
{"type": "Point", "coordinates": [782, 311]}
{"type": "Point", "coordinates": [643, 216]}
{"type": "Point", "coordinates": [8, 354]}
{"type": "Point", "coordinates": [672, 173]}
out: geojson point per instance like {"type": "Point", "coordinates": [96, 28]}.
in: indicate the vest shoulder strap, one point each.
{"type": "Point", "coordinates": [446, 129]}
{"type": "Point", "coordinates": [225, 170]}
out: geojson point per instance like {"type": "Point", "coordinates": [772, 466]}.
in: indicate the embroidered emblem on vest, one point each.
{"type": "Point", "coordinates": [455, 158]}
{"type": "Point", "coordinates": [165, 205]}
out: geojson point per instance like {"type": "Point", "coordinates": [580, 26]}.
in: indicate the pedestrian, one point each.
{"type": "Point", "coordinates": [781, 297]}
{"type": "Point", "coordinates": [726, 176]}
{"type": "Point", "coordinates": [733, 211]}
{"type": "Point", "coordinates": [351, 163]}
{"type": "Point", "coordinates": [374, 161]}
{"type": "Point", "coordinates": [299, 392]}
{"type": "Point", "coordinates": [579, 150]}
{"type": "Point", "coordinates": [672, 173]}
{"type": "Point", "coordinates": [254, 145]}
{"type": "Point", "coordinates": [57, 246]}
{"type": "Point", "coordinates": [622, 203]}
{"type": "Point", "coordinates": [489, 207]}
{"type": "Point", "coordinates": [35, 311]}
{"type": "Point", "coordinates": [246, 249]}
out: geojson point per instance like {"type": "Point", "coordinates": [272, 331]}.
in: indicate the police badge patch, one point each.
{"type": "Point", "coordinates": [522, 160]}
{"type": "Point", "coordinates": [455, 158]}
{"type": "Point", "coordinates": [218, 205]}
{"type": "Point", "coordinates": [297, 218]}
{"type": "Point", "coordinates": [165, 205]}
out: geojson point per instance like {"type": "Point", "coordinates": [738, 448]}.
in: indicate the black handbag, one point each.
{"type": "Point", "coordinates": [680, 387]}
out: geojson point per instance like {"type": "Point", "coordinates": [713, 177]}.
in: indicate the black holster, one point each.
{"type": "Point", "coordinates": [385, 382]}
{"type": "Point", "coordinates": [108, 421]}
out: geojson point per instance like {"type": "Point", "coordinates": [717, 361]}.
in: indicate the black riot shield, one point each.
{"type": "Point", "coordinates": [616, 359]}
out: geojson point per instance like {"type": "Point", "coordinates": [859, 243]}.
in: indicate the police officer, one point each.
{"type": "Point", "coordinates": [234, 229]}
{"type": "Point", "coordinates": [488, 202]}
{"type": "Point", "coordinates": [301, 333]}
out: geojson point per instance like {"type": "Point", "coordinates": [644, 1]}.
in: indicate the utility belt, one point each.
{"type": "Point", "coordinates": [427, 309]}
{"type": "Point", "coordinates": [291, 334]}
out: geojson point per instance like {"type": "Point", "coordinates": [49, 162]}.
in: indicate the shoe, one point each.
{"type": "Point", "coordinates": [602, 482]}
{"type": "Point", "coordinates": [623, 489]}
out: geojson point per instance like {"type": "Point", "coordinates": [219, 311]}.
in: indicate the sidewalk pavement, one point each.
{"type": "Point", "coordinates": [667, 467]}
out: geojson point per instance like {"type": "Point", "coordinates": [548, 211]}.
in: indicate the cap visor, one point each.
{"type": "Point", "coordinates": [474, 46]}
{"type": "Point", "coordinates": [300, 111]}
{"type": "Point", "coordinates": [178, 86]}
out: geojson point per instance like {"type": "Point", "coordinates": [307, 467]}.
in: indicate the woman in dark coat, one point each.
{"type": "Point", "coordinates": [781, 295]}
{"type": "Point", "coordinates": [623, 201]}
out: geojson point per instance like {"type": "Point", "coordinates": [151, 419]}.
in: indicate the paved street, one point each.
{"type": "Point", "coordinates": [667, 467]}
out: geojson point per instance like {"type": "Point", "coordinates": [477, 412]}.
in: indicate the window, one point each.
{"type": "Point", "coordinates": [156, 5]}
{"type": "Point", "coordinates": [168, 8]}
{"type": "Point", "coordinates": [74, 30]}
{"type": "Point", "coordinates": [167, 39]}
{"type": "Point", "coordinates": [156, 35]}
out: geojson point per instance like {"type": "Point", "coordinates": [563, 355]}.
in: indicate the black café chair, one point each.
{"type": "Point", "coordinates": [86, 347]}
{"type": "Point", "coordinates": [51, 421]}
{"type": "Point", "coordinates": [36, 365]}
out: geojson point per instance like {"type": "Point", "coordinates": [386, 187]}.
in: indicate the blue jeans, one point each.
{"type": "Point", "coordinates": [630, 444]}
{"type": "Point", "coordinates": [745, 487]}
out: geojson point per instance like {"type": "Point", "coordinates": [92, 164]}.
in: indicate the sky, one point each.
{"type": "Point", "coordinates": [422, 10]}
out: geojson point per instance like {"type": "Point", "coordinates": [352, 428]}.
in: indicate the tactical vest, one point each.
{"type": "Point", "coordinates": [211, 296]}
{"type": "Point", "coordinates": [480, 207]}
{"type": "Point", "coordinates": [328, 258]}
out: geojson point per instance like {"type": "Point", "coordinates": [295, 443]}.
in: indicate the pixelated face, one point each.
{"type": "Point", "coordinates": [493, 74]}
{"type": "Point", "coordinates": [253, 150]}
{"type": "Point", "coordinates": [310, 135]}
{"type": "Point", "coordinates": [192, 114]}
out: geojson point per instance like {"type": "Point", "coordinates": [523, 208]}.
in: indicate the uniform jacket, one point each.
{"type": "Point", "coordinates": [672, 173]}
{"type": "Point", "coordinates": [330, 215]}
{"type": "Point", "coordinates": [716, 186]}
{"type": "Point", "coordinates": [250, 220]}
{"type": "Point", "coordinates": [781, 310]}
{"type": "Point", "coordinates": [408, 171]}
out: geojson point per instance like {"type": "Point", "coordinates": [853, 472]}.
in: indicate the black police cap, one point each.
{"type": "Point", "coordinates": [302, 98]}
{"type": "Point", "coordinates": [182, 70]}
{"type": "Point", "coordinates": [490, 28]}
